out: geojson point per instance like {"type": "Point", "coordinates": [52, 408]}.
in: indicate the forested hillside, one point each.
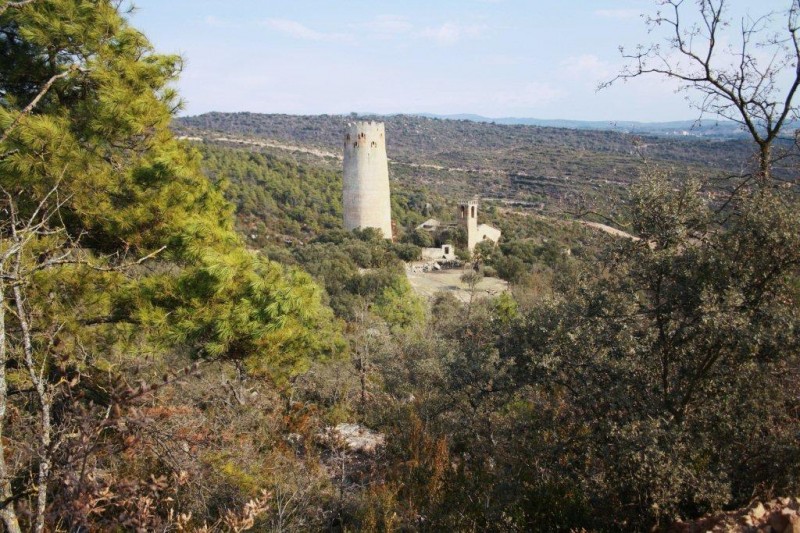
{"type": "Point", "coordinates": [464, 143]}
{"type": "Point", "coordinates": [283, 204]}
{"type": "Point", "coordinates": [536, 165]}
{"type": "Point", "coordinates": [277, 195]}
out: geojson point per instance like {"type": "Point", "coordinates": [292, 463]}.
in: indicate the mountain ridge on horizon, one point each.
{"type": "Point", "coordinates": [687, 128]}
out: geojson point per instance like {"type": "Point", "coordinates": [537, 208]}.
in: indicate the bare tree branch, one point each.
{"type": "Point", "coordinates": [733, 82]}
{"type": "Point", "coordinates": [32, 105]}
{"type": "Point", "coordinates": [44, 397]}
{"type": "Point", "coordinates": [16, 5]}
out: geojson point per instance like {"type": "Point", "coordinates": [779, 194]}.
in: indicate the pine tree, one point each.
{"type": "Point", "coordinates": [110, 231]}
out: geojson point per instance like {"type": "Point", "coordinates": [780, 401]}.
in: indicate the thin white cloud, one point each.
{"type": "Point", "coordinates": [297, 30]}
{"type": "Point", "coordinates": [393, 27]}
{"type": "Point", "coordinates": [450, 33]}
{"type": "Point", "coordinates": [386, 27]}
{"type": "Point", "coordinates": [618, 13]}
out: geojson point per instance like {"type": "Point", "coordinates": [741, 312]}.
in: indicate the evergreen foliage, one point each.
{"type": "Point", "coordinates": [275, 198]}
{"type": "Point", "coordinates": [116, 243]}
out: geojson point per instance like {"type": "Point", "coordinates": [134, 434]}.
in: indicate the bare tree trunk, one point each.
{"type": "Point", "coordinates": [45, 403]}
{"type": "Point", "coordinates": [765, 162]}
{"type": "Point", "coordinates": [7, 513]}
{"type": "Point", "coordinates": [363, 356]}
{"type": "Point", "coordinates": [363, 379]}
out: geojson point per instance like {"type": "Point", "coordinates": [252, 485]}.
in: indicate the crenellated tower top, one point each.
{"type": "Point", "coordinates": [365, 134]}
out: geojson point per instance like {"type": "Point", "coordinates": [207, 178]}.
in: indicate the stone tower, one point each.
{"type": "Point", "coordinates": [469, 219]}
{"type": "Point", "coordinates": [366, 199]}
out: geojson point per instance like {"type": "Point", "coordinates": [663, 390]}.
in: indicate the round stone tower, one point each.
{"type": "Point", "coordinates": [366, 199]}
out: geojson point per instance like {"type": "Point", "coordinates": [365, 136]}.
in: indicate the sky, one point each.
{"type": "Point", "coordinates": [496, 58]}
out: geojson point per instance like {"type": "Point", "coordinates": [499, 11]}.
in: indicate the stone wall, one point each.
{"type": "Point", "coordinates": [487, 232]}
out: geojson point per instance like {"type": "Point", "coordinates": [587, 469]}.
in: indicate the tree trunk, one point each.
{"type": "Point", "coordinates": [45, 403]}
{"type": "Point", "coordinates": [765, 162]}
{"type": "Point", "coordinates": [7, 513]}
{"type": "Point", "coordinates": [363, 379]}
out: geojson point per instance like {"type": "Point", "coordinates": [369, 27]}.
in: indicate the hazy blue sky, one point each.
{"type": "Point", "coordinates": [524, 58]}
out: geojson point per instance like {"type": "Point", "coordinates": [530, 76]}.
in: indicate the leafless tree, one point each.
{"type": "Point", "coordinates": [366, 336]}
{"type": "Point", "coordinates": [750, 78]}
{"type": "Point", "coordinates": [471, 279]}
{"type": "Point", "coordinates": [18, 236]}
{"type": "Point", "coordinates": [7, 512]}
{"type": "Point", "coordinates": [33, 242]}
{"type": "Point", "coordinates": [15, 5]}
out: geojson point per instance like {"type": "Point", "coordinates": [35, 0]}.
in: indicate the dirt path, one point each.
{"type": "Point", "coordinates": [611, 231]}
{"type": "Point", "coordinates": [263, 144]}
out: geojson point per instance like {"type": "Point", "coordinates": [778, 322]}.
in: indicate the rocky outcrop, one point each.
{"type": "Point", "coordinates": [357, 438]}
{"type": "Point", "coordinates": [781, 515]}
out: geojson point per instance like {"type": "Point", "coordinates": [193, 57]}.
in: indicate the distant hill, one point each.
{"type": "Point", "coordinates": [684, 128]}
{"type": "Point", "coordinates": [525, 164]}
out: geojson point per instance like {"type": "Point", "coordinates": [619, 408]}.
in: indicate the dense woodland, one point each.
{"type": "Point", "coordinates": [182, 324]}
